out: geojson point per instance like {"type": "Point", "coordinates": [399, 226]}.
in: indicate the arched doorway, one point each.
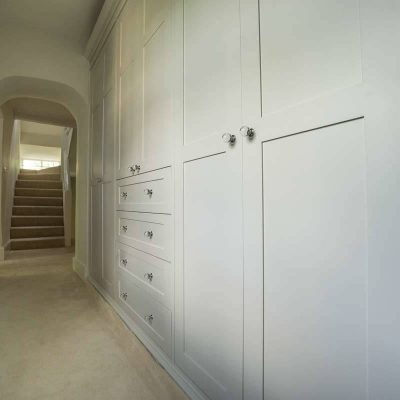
{"type": "Point", "coordinates": [64, 96]}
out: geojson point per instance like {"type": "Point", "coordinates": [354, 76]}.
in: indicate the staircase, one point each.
{"type": "Point", "coordinates": [37, 220]}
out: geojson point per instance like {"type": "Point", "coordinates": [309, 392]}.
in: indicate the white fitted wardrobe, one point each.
{"type": "Point", "coordinates": [235, 216]}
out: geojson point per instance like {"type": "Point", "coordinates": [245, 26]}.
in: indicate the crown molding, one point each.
{"type": "Point", "coordinates": [104, 24]}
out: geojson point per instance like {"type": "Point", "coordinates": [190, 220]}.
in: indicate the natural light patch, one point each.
{"type": "Point", "coordinates": [38, 164]}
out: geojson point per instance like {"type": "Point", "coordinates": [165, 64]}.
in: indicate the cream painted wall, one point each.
{"type": "Point", "coordinates": [33, 152]}
{"type": "Point", "coordinates": [34, 64]}
{"type": "Point", "coordinates": [28, 52]}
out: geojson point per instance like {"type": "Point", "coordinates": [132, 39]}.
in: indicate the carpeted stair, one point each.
{"type": "Point", "coordinates": [37, 220]}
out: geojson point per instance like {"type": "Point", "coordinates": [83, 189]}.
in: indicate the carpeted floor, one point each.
{"type": "Point", "coordinates": [60, 340]}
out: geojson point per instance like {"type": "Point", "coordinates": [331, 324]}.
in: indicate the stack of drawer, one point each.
{"type": "Point", "coordinates": [144, 252]}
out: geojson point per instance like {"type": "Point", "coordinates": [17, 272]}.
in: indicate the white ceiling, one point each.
{"type": "Point", "coordinates": [71, 20]}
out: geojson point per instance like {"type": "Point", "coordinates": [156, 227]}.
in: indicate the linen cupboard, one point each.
{"type": "Point", "coordinates": [233, 160]}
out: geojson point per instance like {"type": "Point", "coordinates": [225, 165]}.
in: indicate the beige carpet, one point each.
{"type": "Point", "coordinates": [60, 340]}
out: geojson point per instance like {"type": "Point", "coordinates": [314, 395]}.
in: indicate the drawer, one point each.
{"type": "Point", "coordinates": [151, 233]}
{"type": "Point", "coordinates": [151, 316]}
{"type": "Point", "coordinates": [149, 192]}
{"type": "Point", "coordinates": [149, 273]}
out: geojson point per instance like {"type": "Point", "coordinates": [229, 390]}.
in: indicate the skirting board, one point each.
{"type": "Point", "coordinates": [188, 387]}
{"type": "Point", "coordinates": [79, 268]}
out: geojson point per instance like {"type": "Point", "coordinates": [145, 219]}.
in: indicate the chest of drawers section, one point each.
{"type": "Point", "coordinates": [144, 253]}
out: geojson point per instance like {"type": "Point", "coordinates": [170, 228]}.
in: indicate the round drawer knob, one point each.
{"type": "Point", "coordinates": [149, 276]}
{"type": "Point", "coordinates": [124, 195]}
{"type": "Point", "coordinates": [149, 318]}
{"type": "Point", "coordinates": [125, 228]}
{"type": "Point", "coordinates": [149, 234]}
{"type": "Point", "coordinates": [124, 262]}
{"type": "Point", "coordinates": [149, 192]}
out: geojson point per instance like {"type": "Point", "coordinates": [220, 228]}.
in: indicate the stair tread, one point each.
{"type": "Point", "coordinates": [37, 227]}
{"type": "Point", "coordinates": [38, 239]}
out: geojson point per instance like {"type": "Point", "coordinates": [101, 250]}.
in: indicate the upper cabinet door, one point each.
{"type": "Point", "coordinates": [110, 63]}
{"type": "Point", "coordinates": [109, 136]}
{"type": "Point", "coordinates": [97, 143]}
{"type": "Point", "coordinates": [96, 81]}
{"type": "Point", "coordinates": [130, 81]}
{"type": "Point", "coordinates": [158, 73]}
{"type": "Point", "coordinates": [209, 256]}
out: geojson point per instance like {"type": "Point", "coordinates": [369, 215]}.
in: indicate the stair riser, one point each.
{"type": "Point", "coordinates": [39, 184]}
{"type": "Point", "coordinates": [37, 211]}
{"type": "Point", "coordinates": [42, 244]}
{"type": "Point", "coordinates": [19, 233]}
{"type": "Point", "coordinates": [36, 177]}
{"type": "Point", "coordinates": [37, 221]}
{"type": "Point", "coordinates": [38, 192]}
{"type": "Point", "coordinates": [37, 201]}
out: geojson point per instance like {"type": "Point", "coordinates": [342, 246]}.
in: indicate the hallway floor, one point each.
{"type": "Point", "coordinates": [60, 340]}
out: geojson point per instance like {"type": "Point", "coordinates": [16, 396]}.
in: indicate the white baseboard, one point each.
{"type": "Point", "coordinates": [177, 375]}
{"type": "Point", "coordinates": [79, 268]}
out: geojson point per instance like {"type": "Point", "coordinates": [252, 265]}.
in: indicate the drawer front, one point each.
{"type": "Point", "coordinates": [151, 316]}
{"type": "Point", "coordinates": [150, 192]}
{"type": "Point", "coordinates": [150, 273]}
{"type": "Point", "coordinates": [150, 233]}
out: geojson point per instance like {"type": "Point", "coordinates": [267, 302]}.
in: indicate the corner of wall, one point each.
{"type": "Point", "coordinates": [79, 268]}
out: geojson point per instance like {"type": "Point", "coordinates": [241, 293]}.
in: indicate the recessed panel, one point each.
{"type": "Point", "coordinates": [97, 142]}
{"type": "Point", "coordinates": [109, 136]}
{"type": "Point", "coordinates": [315, 265]}
{"type": "Point", "coordinates": [212, 75]}
{"type": "Point", "coordinates": [157, 113]}
{"type": "Point", "coordinates": [308, 48]}
{"type": "Point", "coordinates": [213, 272]}
{"type": "Point", "coordinates": [155, 13]}
{"type": "Point", "coordinates": [130, 129]}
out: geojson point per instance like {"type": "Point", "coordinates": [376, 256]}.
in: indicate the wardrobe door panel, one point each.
{"type": "Point", "coordinates": [212, 76]}
{"type": "Point", "coordinates": [154, 15]}
{"type": "Point", "coordinates": [130, 33]}
{"type": "Point", "coordinates": [97, 143]}
{"type": "Point", "coordinates": [109, 136]}
{"type": "Point", "coordinates": [108, 222]}
{"type": "Point", "coordinates": [157, 111]}
{"type": "Point", "coordinates": [110, 63]}
{"type": "Point", "coordinates": [211, 351]}
{"type": "Point", "coordinates": [130, 114]}
{"type": "Point", "coordinates": [96, 81]}
{"type": "Point", "coordinates": [96, 263]}
{"type": "Point", "coordinates": [315, 265]}
{"type": "Point", "coordinates": [308, 48]}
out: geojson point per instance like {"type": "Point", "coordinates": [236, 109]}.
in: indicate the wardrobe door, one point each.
{"type": "Point", "coordinates": [96, 194]}
{"type": "Point", "coordinates": [108, 221]}
{"type": "Point", "coordinates": [109, 136]}
{"type": "Point", "coordinates": [301, 64]}
{"type": "Point", "coordinates": [209, 284]}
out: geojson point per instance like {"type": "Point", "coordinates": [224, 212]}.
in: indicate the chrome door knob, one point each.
{"type": "Point", "coordinates": [149, 192]}
{"type": "Point", "coordinates": [229, 138]}
{"type": "Point", "coordinates": [148, 234]}
{"type": "Point", "coordinates": [245, 131]}
{"type": "Point", "coordinates": [149, 276]}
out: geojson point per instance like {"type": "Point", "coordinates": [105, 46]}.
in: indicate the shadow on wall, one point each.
{"type": "Point", "coordinates": [26, 87]}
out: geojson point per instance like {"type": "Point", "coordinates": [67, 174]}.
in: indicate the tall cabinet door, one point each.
{"type": "Point", "coordinates": [304, 307]}
{"type": "Point", "coordinates": [209, 253]}
{"type": "Point", "coordinates": [96, 193]}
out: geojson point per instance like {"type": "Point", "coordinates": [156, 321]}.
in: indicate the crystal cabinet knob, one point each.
{"type": "Point", "coordinates": [229, 138]}
{"type": "Point", "coordinates": [245, 131]}
{"type": "Point", "coordinates": [124, 195]}
{"type": "Point", "coordinates": [124, 261]}
{"type": "Point", "coordinates": [148, 234]}
{"type": "Point", "coordinates": [137, 167]}
{"type": "Point", "coordinates": [124, 295]}
{"type": "Point", "coordinates": [149, 318]}
{"type": "Point", "coordinates": [149, 192]}
{"type": "Point", "coordinates": [149, 276]}
{"type": "Point", "coordinates": [124, 228]}
{"type": "Point", "coordinates": [131, 169]}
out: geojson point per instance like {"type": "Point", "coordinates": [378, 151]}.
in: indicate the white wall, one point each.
{"type": "Point", "coordinates": [41, 134]}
